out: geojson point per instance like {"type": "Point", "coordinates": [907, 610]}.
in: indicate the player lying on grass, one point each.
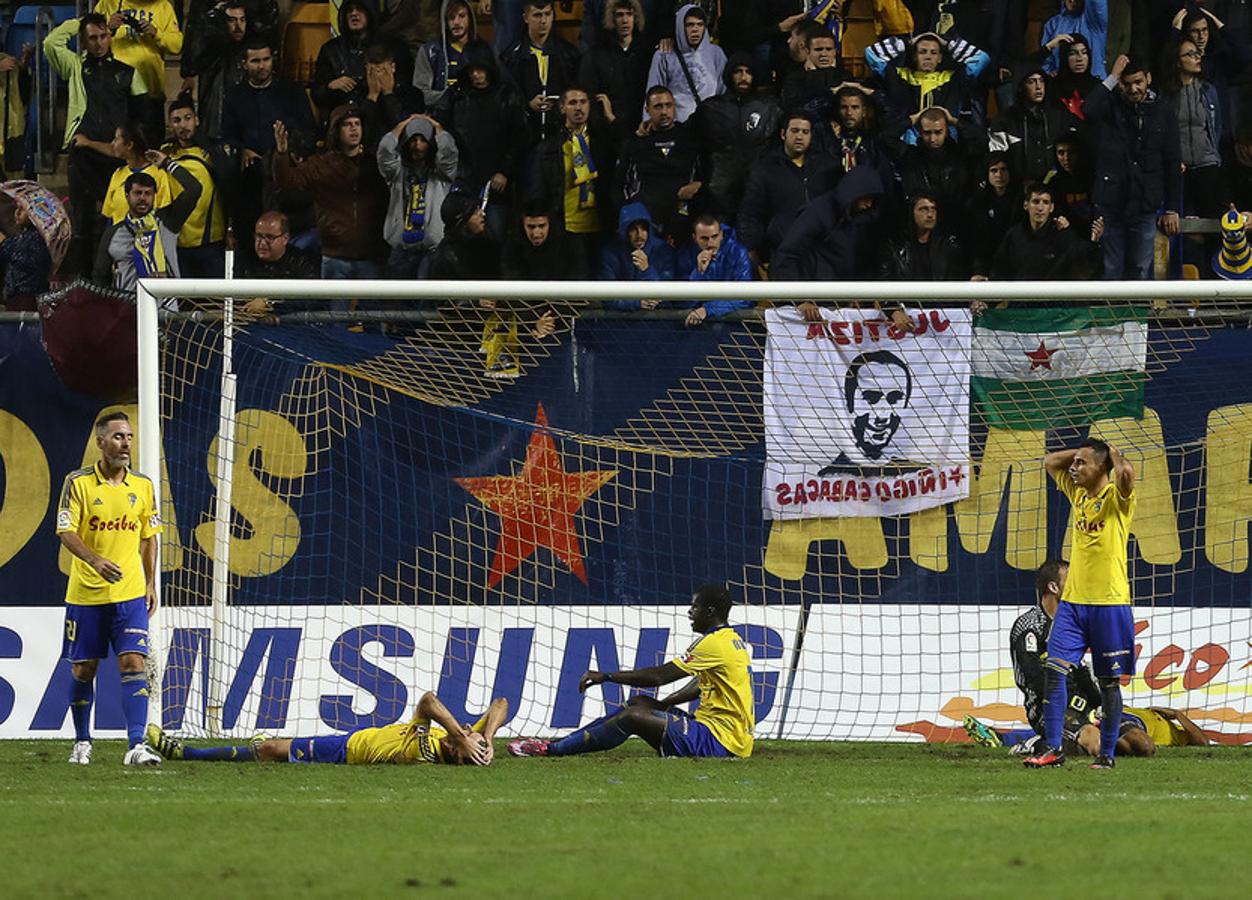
{"type": "Point", "coordinates": [721, 726]}
{"type": "Point", "coordinates": [1143, 730]}
{"type": "Point", "coordinates": [433, 735]}
{"type": "Point", "coordinates": [1028, 648]}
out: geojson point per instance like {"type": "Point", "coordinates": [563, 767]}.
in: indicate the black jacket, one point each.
{"type": "Point", "coordinates": [942, 258]}
{"type": "Point", "coordinates": [295, 263]}
{"type": "Point", "coordinates": [549, 261]}
{"type": "Point", "coordinates": [1137, 153]}
{"type": "Point", "coordinates": [622, 75]}
{"type": "Point", "coordinates": [522, 69]}
{"type": "Point", "coordinates": [734, 131]}
{"type": "Point", "coordinates": [345, 55]}
{"type": "Point", "coordinates": [1046, 254]}
{"type": "Point", "coordinates": [218, 62]}
{"type": "Point", "coordinates": [250, 113]}
{"type": "Point", "coordinates": [546, 180]}
{"type": "Point", "coordinates": [107, 86]}
{"type": "Point", "coordinates": [944, 172]}
{"type": "Point", "coordinates": [489, 126]}
{"type": "Point", "coordinates": [827, 242]}
{"type": "Point", "coordinates": [777, 191]}
{"type": "Point", "coordinates": [1028, 134]}
{"type": "Point", "coordinates": [653, 167]}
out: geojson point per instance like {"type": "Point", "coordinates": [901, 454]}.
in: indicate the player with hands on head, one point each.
{"type": "Point", "coordinates": [722, 725]}
{"type": "Point", "coordinates": [1095, 605]}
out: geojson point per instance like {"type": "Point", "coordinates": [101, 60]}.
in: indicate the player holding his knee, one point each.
{"type": "Point", "coordinates": [723, 723]}
{"type": "Point", "coordinates": [433, 735]}
{"type": "Point", "coordinates": [1095, 606]}
{"type": "Point", "coordinates": [107, 519]}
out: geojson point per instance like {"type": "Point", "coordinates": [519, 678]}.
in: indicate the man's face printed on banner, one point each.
{"type": "Point", "coordinates": [880, 389]}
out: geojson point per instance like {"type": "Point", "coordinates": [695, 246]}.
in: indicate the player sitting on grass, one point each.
{"type": "Point", "coordinates": [1028, 648]}
{"type": "Point", "coordinates": [721, 726]}
{"type": "Point", "coordinates": [417, 741]}
{"type": "Point", "coordinates": [1143, 730]}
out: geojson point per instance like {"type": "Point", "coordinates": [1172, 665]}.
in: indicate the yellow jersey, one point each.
{"type": "Point", "coordinates": [403, 743]}
{"type": "Point", "coordinates": [111, 519]}
{"type": "Point", "coordinates": [142, 52]}
{"type": "Point", "coordinates": [207, 222]}
{"type": "Point", "coordinates": [1164, 733]}
{"type": "Point", "coordinates": [1098, 564]}
{"type": "Point", "coordinates": [581, 216]}
{"type": "Point", "coordinates": [721, 663]}
{"type": "Point", "coordinates": [115, 207]}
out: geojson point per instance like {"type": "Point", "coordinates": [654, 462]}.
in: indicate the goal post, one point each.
{"type": "Point", "coordinates": [468, 503]}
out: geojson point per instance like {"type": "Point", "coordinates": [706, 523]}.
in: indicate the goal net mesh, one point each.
{"type": "Point", "coordinates": [465, 503]}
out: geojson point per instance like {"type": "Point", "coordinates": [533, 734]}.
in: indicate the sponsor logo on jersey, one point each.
{"type": "Point", "coordinates": [120, 523]}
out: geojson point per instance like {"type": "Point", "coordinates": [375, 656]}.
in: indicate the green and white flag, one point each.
{"type": "Point", "coordinates": [1035, 369]}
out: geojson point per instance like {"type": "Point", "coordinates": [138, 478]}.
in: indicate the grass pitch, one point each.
{"type": "Point", "coordinates": [797, 820]}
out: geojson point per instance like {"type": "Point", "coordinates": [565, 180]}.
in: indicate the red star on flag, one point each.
{"type": "Point", "coordinates": [538, 506]}
{"type": "Point", "coordinates": [1040, 357]}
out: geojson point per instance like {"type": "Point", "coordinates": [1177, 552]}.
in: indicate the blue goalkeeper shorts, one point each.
{"type": "Point", "coordinates": [90, 630]}
{"type": "Point", "coordinates": [1108, 630]}
{"type": "Point", "coordinates": [329, 749]}
{"type": "Point", "coordinates": [685, 736]}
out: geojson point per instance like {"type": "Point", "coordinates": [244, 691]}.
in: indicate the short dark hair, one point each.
{"type": "Point", "coordinates": [882, 357]}
{"type": "Point", "coordinates": [379, 52]}
{"type": "Point", "coordinates": [1038, 187]}
{"type": "Point", "coordinates": [92, 18]}
{"type": "Point", "coordinates": [806, 28]}
{"type": "Point", "coordinates": [256, 42]}
{"type": "Point", "coordinates": [143, 179]}
{"type": "Point", "coordinates": [182, 101]}
{"type": "Point", "coordinates": [706, 219]}
{"type": "Point", "coordinates": [654, 91]}
{"type": "Point", "coordinates": [1135, 65]}
{"type": "Point", "coordinates": [1047, 573]}
{"type": "Point", "coordinates": [103, 422]}
{"type": "Point", "coordinates": [788, 118]}
{"type": "Point", "coordinates": [575, 87]}
{"type": "Point", "coordinates": [1101, 450]}
{"type": "Point", "coordinates": [536, 4]}
{"type": "Point", "coordinates": [811, 36]}
{"type": "Point", "coordinates": [931, 114]}
{"type": "Point", "coordinates": [716, 597]}
{"type": "Point", "coordinates": [535, 209]}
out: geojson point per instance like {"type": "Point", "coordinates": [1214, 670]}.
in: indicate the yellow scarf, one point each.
{"type": "Point", "coordinates": [541, 60]}
{"type": "Point", "coordinates": [148, 253]}
{"type": "Point", "coordinates": [584, 168]}
{"type": "Point", "coordinates": [500, 344]}
{"type": "Point", "coordinates": [14, 126]}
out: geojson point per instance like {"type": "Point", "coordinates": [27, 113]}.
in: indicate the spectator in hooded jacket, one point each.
{"type": "Point", "coordinates": [637, 253]}
{"type": "Point", "coordinates": [837, 236]}
{"type": "Point", "coordinates": [441, 63]}
{"type": "Point", "coordinates": [488, 119]}
{"type": "Point", "coordinates": [615, 69]}
{"type": "Point", "coordinates": [693, 69]}
{"type": "Point", "coordinates": [921, 251]}
{"type": "Point", "coordinates": [1090, 18]}
{"type": "Point", "coordinates": [418, 159]}
{"type": "Point", "coordinates": [1029, 128]}
{"type": "Point", "coordinates": [781, 184]}
{"type": "Point", "coordinates": [349, 195]}
{"type": "Point", "coordinates": [735, 128]}
{"type": "Point", "coordinates": [994, 206]}
{"type": "Point", "coordinates": [339, 75]}
{"type": "Point", "coordinates": [470, 248]}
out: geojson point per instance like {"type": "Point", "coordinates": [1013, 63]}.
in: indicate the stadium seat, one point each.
{"type": "Point", "coordinates": [305, 33]}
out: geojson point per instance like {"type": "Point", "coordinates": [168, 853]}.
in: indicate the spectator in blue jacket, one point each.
{"type": "Point", "coordinates": [639, 253]}
{"type": "Point", "coordinates": [718, 256]}
{"type": "Point", "coordinates": [1090, 18]}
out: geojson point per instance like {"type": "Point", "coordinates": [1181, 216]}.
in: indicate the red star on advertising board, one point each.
{"type": "Point", "coordinates": [1040, 357]}
{"type": "Point", "coordinates": [537, 507]}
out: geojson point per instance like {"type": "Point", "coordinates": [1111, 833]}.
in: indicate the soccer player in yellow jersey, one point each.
{"type": "Point", "coordinates": [1095, 605]}
{"type": "Point", "coordinates": [107, 519]}
{"type": "Point", "coordinates": [1143, 730]}
{"type": "Point", "coordinates": [433, 736]}
{"type": "Point", "coordinates": [721, 726]}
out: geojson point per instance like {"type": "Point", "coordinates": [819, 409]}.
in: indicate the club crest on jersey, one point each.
{"type": "Point", "coordinates": [1097, 505]}
{"type": "Point", "coordinates": [133, 500]}
{"type": "Point", "coordinates": [97, 502]}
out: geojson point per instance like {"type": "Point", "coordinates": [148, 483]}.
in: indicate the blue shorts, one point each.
{"type": "Point", "coordinates": [1108, 630]}
{"type": "Point", "coordinates": [684, 736]}
{"type": "Point", "coordinates": [89, 630]}
{"type": "Point", "coordinates": [330, 749]}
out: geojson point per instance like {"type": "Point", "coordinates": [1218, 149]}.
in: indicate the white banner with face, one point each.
{"type": "Point", "coordinates": [862, 417]}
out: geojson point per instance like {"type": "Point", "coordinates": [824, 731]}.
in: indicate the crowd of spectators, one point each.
{"type": "Point", "coordinates": [674, 142]}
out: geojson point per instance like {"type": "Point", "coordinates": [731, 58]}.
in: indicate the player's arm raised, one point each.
{"type": "Point", "coordinates": [653, 676]}
{"type": "Point", "coordinates": [1058, 462]}
{"type": "Point", "coordinates": [432, 708]}
{"type": "Point", "coordinates": [1123, 472]}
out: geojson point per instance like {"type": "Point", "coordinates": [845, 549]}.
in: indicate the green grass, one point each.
{"type": "Point", "coordinates": [797, 820]}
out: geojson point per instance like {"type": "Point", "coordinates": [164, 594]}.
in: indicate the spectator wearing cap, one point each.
{"type": "Point", "coordinates": [349, 195]}
{"type": "Point", "coordinates": [469, 249]}
{"type": "Point", "coordinates": [693, 69]}
{"type": "Point", "coordinates": [418, 159]}
{"type": "Point", "coordinates": [735, 128]}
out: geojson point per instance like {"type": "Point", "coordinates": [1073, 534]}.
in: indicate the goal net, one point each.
{"type": "Point", "coordinates": [488, 499]}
